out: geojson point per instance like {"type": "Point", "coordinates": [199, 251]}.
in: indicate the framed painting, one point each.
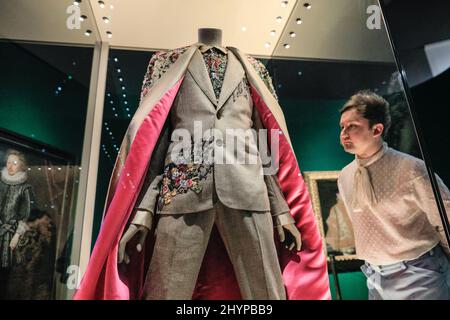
{"type": "Point", "coordinates": [331, 215]}
{"type": "Point", "coordinates": [37, 193]}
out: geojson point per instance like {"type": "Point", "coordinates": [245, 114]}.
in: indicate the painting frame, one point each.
{"type": "Point", "coordinates": [53, 176]}
{"type": "Point", "coordinates": [312, 179]}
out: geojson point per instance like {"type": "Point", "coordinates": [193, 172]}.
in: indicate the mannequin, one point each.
{"type": "Point", "coordinates": [221, 88]}
{"type": "Point", "coordinates": [210, 36]}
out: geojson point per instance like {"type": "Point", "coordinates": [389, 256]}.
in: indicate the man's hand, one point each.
{"type": "Point", "coordinates": [290, 236]}
{"type": "Point", "coordinates": [128, 235]}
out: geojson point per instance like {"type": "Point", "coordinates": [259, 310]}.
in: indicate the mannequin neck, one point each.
{"type": "Point", "coordinates": [209, 36]}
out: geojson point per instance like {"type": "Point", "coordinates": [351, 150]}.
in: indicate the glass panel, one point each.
{"type": "Point", "coordinates": [45, 61]}
{"type": "Point", "coordinates": [424, 56]}
{"type": "Point", "coordinates": [321, 56]}
{"type": "Point", "coordinates": [126, 70]}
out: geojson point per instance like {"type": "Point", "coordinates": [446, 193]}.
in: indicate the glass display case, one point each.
{"type": "Point", "coordinates": [72, 80]}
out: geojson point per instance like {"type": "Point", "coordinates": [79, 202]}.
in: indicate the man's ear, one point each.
{"type": "Point", "coordinates": [378, 130]}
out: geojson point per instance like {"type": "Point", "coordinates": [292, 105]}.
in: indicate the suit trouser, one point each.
{"type": "Point", "coordinates": [424, 278]}
{"type": "Point", "coordinates": [181, 242]}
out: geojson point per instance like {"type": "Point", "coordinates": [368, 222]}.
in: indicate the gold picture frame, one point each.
{"type": "Point", "coordinates": [322, 185]}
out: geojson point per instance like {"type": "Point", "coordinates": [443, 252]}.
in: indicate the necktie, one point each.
{"type": "Point", "coordinates": [363, 193]}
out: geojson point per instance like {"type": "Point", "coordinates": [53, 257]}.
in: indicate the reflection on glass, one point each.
{"type": "Point", "coordinates": [339, 236]}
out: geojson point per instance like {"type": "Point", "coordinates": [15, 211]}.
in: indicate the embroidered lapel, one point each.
{"type": "Point", "coordinates": [234, 74]}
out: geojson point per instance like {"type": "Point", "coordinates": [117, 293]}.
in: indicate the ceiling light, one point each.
{"type": "Point", "coordinates": [244, 29]}
{"type": "Point", "coordinates": [286, 46]}
{"type": "Point", "coordinates": [88, 33]}
{"type": "Point", "coordinates": [279, 19]}
{"type": "Point", "coordinates": [109, 33]}
{"type": "Point", "coordinates": [83, 17]}
{"type": "Point", "coordinates": [299, 21]}
{"type": "Point", "coordinates": [77, 2]}
{"type": "Point", "coordinates": [307, 5]}
{"type": "Point", "coordinates": [106, 19]}
{"type": "Point", "coordinates": [292, 34]}
{"type": "Point", "coordinates": [119, 71]}
{"type": "Point", "coordinates": [284, 4]}
{"type": "Point", "coordinates": [111, 7]}
{"type": "Point", "coordinates": [101, 4]}
{"type": "Point", "coordinates": [272, 33]}
{"type": "Point", "coordinates": [120, 79]}
{"type": "Point", "coordinates": [116, 60]}
{"type": "Point", "coordinates": [267, 45]}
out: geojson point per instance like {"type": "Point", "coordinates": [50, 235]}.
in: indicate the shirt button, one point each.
{"type": "Point", "coordinates": [219, 142]}
{"type": "Point", "coordinates": [219, 114]}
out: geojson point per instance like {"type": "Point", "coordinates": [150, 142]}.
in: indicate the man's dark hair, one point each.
{"type": "Point", "coordinates": [371, 106]}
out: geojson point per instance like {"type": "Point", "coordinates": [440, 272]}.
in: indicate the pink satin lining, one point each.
{"type": "Point", "coordinates": [101, 281]}
{"type": "Point", "coordinates": [305, 274]}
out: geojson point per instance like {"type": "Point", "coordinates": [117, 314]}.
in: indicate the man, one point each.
{"type": "Point", "coordinates": [398, 232]}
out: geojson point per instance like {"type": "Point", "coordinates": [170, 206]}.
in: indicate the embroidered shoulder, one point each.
{"type": "Point", "coordinates": [263, 74]}
{"type": "Point", "coordinates": [159, 63]}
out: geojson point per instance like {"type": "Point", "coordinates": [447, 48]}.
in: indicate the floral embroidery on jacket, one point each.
{"type": "Point", "coordinates": [159, 63]}
{"type": "Point", "coordinates": [263, 74]}
{"type": "Point", "coordinates": [242, 89]}
{"type": "Point", "coordinates": [180, 178]}
{"type": "Point", "coordinates": [184, 174]}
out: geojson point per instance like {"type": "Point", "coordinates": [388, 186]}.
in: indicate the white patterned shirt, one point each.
{"type": "Point", "coordinates": [404, 223]}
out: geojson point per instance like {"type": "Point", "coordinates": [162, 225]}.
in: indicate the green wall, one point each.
{"type": "Point", "coordinates": [314, 130]}
{"type": "Point", "coordinates": [29, 104]}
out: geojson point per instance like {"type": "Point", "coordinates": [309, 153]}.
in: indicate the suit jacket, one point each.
{"type": "Point", "coordinates": [304, 273]}
{"type": "Point", "coordinates": [238, 185]}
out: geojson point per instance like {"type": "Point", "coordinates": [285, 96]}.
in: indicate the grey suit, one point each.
{"type": "Point", "coordinates": [237, 197]}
